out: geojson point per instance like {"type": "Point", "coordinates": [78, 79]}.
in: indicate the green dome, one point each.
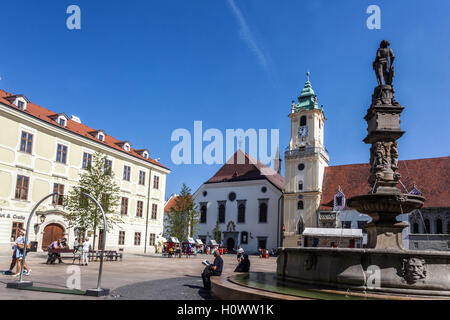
{"type": "Point", "coordinates": [307, 98]}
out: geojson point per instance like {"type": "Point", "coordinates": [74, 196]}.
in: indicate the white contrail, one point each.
{"type": "Point", "coordinates": [247, 35]}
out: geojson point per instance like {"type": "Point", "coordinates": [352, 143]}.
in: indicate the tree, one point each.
{"type": "Point", "coordinates": [183, 217]}
{"type": "Point", "coordinates": [98, 181]}
{"type": "Point", "coordinates": [216, 232]}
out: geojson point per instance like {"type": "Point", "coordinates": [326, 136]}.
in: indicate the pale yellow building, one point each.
{"type": "Point", "coordinates": [305, 162]}
{"type": "Point", "coordinates": [42, 151]}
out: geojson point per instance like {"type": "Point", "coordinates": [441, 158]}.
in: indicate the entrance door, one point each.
{"type": "Point", "coordinates": [52, 232]}
{"type": "Point", "coordinates": [230, 244]}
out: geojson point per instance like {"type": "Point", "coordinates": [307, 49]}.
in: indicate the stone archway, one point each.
{"type": "Point", "coordinates": [52, 232]}
{"type": "Point", "coordinates": [230, 244]}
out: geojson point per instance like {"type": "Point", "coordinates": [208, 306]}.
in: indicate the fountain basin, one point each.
{"type": "Point", "coordinates": [390, 271]}
{"type": "Point", "coordinates": [378, 205]}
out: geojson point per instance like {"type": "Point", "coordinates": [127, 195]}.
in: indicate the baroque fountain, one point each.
{"type": "Point", "coordinates": [385, 266]}
{"type": "Point", "coordinates": [384, 269]}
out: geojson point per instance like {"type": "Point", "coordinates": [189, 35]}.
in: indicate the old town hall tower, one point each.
{"type": "Point", "coordinates": [305, 162]}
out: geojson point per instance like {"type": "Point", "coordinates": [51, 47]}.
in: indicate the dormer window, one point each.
{"type": "Point", "coordinates": [339, 200]}
{"type": "Point", "coordinates": [60, 118]}
{"type": "Point", "coordinates": [143, 152]}
{"type": "Point", "coordinates": [124, 145]}
{"type": "Point", "coordinates": [101, 137]}
{"type": "Point", "coordinates": [20, 101]}
{"type": "Point", "coordinates": [62, 122]}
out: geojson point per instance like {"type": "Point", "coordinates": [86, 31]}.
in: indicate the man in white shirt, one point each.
{"type": "Point", "coordinates": [85, 254]}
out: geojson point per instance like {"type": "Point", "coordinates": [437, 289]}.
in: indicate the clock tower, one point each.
{"type": "Point", "coordinates": [305, 162]}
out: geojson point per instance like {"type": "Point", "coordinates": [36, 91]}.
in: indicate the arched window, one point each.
{"type": "Point", "coordinates": [439, 226]}
{"type": "Point", "coordinates": [221, 213]}
{"type": "Point", "coordinates": [300, 205]}
{"type": "Point", "coordinates": [415, 228]}
{"type": "Point", "coordinates": [244, 237]}
{"type": "Point", "coordinates": [303, 121]}
{"type": "Point", "coordinates": [241, 213]}
{"type": "Point", "coordinates": [203, 214]}
{"type": "Point", "coordinates": [263, 212]}
{"type": "Point", "coordinates": [427, 226]}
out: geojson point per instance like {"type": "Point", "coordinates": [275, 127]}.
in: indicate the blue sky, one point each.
{"type": "Point", "coordinates": [141, 69]}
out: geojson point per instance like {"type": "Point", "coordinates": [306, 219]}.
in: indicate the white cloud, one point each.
{"type": "Point", "coordinates": [247, 35]}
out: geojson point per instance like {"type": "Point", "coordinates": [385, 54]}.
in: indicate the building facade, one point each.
{"type": "Point", "coordinates": [246, 198]}
{"type": "Point", "coordinates": [43, 152]}
{"type": "Point", "coordinates": [305, 162]}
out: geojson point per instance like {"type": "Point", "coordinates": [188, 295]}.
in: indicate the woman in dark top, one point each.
{"type": "Point", "coordinates": [244, 264]}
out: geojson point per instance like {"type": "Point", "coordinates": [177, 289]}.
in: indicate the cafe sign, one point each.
{"type": "Point", "coordinates": [11, 216]}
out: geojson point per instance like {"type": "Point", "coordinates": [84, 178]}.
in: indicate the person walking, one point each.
{"type": "Point", "coordinates": [240, 252]}
{"type": "Point", "coordinates": [85, 254]}
{"type": "Point", "coordinates": [20, 245]}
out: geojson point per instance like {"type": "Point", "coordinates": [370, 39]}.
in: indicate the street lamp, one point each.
{"type": "Point", "coordinates": [99, 291]}
{"type": "Point", "coordinates": [42, 218]}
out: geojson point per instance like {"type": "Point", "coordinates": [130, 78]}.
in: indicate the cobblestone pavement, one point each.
{"type": "Point", "coordinates": [138, 276]}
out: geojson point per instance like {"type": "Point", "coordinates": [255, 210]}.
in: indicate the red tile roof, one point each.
{"type": "Point", "coordinates": [430, 176]}
{"type": "Point", "coordinates": [241, 167]}
{"type": "Point", "coordinates": [43, 114]}
{"type": "Point", "coordinates": [170, 203]}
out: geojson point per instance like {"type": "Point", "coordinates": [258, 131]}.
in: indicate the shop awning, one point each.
{"type": "Point", "coordinates": [162, 239]}
{"type": "Point", "coordinates": [199, 241]}
{"type": "Point", "coordinates": [213, 242]}
{"type": "Point", "coordinates": [174, 240]}
{"type": "Point", "coordinates": [191, 240]}
{"type": "Point", "coordinates": [333, 232]}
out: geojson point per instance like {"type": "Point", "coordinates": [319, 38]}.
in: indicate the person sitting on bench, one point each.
{"type": "Point", "coordinates": [52, 255]}
{"type": "Point", "coordinates": [214, 269]}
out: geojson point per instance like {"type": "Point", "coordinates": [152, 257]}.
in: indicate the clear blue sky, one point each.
{"type": "Point", "coordinates": [140, 69]}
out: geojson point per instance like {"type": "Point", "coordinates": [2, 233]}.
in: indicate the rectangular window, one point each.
{"type": "Point", "coordinates": [26, 142]}
{"type": "Point", "coordinates": [61, 153]}
{"type": "Point", "coordinates": [124, 206]}
{"type": "Point", "coordinates": [15, 230]}
{"type": "Point", "coordinates": [87, 160]}
{"type": "Point", "coordinates": [142, 178]}
{"type": "Point", "coordinates": [108, 165]}
{"type": "Point", "coordinates": [20, 104]}
{"type": "Point", "coordinates": [121, 237]}
{"type": "Point", "coordinates": [137, 238]}
{"type": "Point", "coordinates": [126, 173]}
{"type": "Point", "coordinates": [62, 122]}
{"type": "Point", "coordinates": [58, 199]}
{"type": "Point", "coordinates": [139, 208]}
{"type": "Point", "coordinates": [152, 239]}
{"type": "Point", "coordinates": [154, 211]}
{"type": "Point", "coordinates": [22, 187]}
{"type": "Point", "coordinates": [156, 182]}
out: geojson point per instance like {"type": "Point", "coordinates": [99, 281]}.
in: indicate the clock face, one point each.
{"type": "Point", "coordinates": [303, 131]}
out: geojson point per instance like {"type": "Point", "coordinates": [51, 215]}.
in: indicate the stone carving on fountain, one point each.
{"type": "Point", "coordinates": [383, 129]}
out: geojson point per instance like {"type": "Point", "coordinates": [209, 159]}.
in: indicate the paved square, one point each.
{"type": "Point", "coordinates": [138, 276]}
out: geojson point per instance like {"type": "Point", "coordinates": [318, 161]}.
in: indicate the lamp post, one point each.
{"type": "Point", "coordinates": [99, 291]}
{"type": "Point", "coordinates": [22, 284]}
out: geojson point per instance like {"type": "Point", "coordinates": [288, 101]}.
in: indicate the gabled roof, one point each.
{"type": "Point", "coordinates": [431, 176]}
{"type": "Point", "coordinates": [46, 115]}
{"type": "Point", "coordinates": [242, 167]}
{"type": "Point", "coordinates": [170, 203]}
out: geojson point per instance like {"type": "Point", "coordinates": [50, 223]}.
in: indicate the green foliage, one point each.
{"type": "Point", "coordinates": [216, 232]}
{"type": "Point", "coordinates": [183, 217]}
{"type": "Point", "coordinates": [98, 181]}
